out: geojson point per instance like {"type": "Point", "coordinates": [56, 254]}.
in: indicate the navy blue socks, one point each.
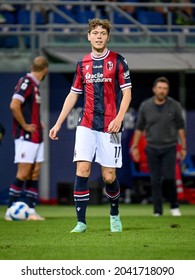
{"type": "Point", "coordinates": [15, 191]}
{"type": "Point", "coordinates": [112, 192]}
{"type": "Point", "coordinates": [81, 197]}
{"type": "Point", "coordinates": [31, 193]}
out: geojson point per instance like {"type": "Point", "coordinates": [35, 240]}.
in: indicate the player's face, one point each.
{"type": "Point", "coordinates": [161, 91]}
{"type": "Point", "coordinates": [98, 38]}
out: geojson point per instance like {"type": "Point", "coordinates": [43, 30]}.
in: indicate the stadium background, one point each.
{"type": "Point", "coordinates": [145, 65]}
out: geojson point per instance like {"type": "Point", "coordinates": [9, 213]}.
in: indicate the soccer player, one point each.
{"type": "Point", "coordinates": [28, 135]}
{"type": "Point", "coordinates": [161, 118]}
{"type": "Point", "coordinates": [103, 77]}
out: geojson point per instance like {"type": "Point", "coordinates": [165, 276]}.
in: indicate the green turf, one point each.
{"type": "Point", "coordinates": [144, 237]}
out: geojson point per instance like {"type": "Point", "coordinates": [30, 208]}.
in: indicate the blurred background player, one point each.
{"type": "Point", "coordinates": [28, 136]}
{"type": "Point", "coordinates": [161, 118]}
{"type": "Point", "coordinates": [102, 76]}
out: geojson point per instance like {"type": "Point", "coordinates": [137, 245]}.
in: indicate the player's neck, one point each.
{"type": "Point", "coordinates": [38, 75]}
{"type": "Point", "coordinates": [99, 52]}
{"type": "Point", "coordinates": [159, 101]}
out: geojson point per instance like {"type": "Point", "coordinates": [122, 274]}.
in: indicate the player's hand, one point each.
{"type": "Point", "coordinates": [182, 154]}
{"type": "Point", "coordinates": [135, 154]}
{"type": "Point", "coordinates": [114, 126]}
{"type": "Point", "coordinates": [30, 127]}
{"type": "Point", "coordinates": [53, 132]}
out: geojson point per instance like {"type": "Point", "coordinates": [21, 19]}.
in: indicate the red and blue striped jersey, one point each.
{"type": "Point", "coordinates": [101, 81]}
{"type": "Point", "coordinates": [27, 91]}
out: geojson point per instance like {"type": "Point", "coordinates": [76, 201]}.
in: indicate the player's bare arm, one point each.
{"type": "Point", "coordinates": [15, 106]}
{"type": "Point", "coordinates": [134, 148]}
{"type": "Point", "coordinates": [182, 136]}
{"type": "Point", "coordinates": [69, 103]}
{"type": "Point", "coordinates": [115, 124]}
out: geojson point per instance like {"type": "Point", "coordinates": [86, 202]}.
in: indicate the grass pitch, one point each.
{"type": "Point", "coordinates": [144, 237]}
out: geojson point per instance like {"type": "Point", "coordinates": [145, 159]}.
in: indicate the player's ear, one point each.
{"type": "Point", "coordinates": [89, 37]}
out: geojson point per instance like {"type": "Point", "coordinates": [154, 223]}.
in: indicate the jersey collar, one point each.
{"type": "Point", "coordinates": [33, 78]}
{"type": "Point", "coordinates": [100, 57]}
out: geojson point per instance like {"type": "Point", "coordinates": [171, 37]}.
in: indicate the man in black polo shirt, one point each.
{"type": "Point", "coordinates": [161, 118]}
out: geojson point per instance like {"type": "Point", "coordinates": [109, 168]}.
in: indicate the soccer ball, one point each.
{"type": "Point", "coordinates": [19, 211]}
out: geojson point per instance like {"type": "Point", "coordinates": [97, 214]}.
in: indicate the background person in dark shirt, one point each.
{"type": "Point", "coordinates": [161, 118]}
{"type": "Point", "coordinates": [28, 136]}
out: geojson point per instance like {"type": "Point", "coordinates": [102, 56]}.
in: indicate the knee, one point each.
{"type": "Point", "coordinates": [22, 177]}
{"type": "Point", "coordinates": [109, 177]}
{"type": "Point", "coordinates": [83, 171]}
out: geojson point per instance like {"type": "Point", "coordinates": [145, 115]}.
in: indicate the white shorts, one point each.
{"type": "Point", "coordinates": [104, 148]}
{"type": "Point", "coordinates": [28, 152]}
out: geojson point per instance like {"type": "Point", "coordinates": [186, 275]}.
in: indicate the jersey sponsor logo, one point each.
{"type": "Point", "coordinates": [109, 65]}
{"type": "Point", "coordinates": [96, 78]}
{"type": "Point", "coordinates": [97, 66]}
